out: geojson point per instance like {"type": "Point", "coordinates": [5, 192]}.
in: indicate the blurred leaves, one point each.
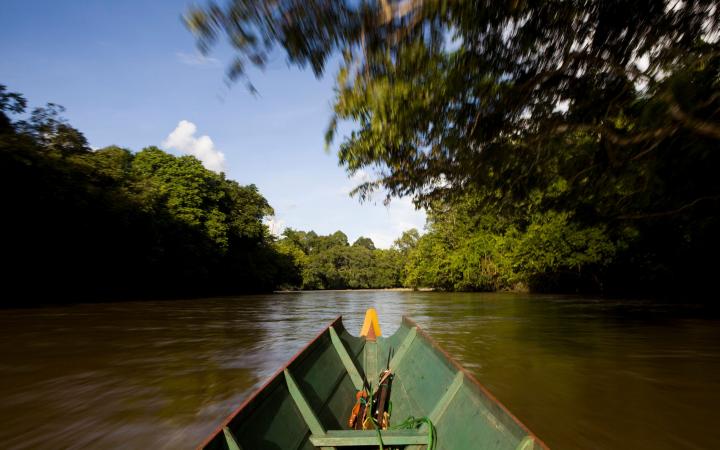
{"type": "Point", "coordinates": [574, 137]}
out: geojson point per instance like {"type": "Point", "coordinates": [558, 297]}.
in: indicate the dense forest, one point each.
{"type": "Point", "coordinates": [110, 223]}
{"type": "Point", "coordinates": [88, 224]}
{"type": "Point", "coordinates": [556, 147]}
{"type": "Point", "coordinates": [330, 262]}
{"type": "Point", "coordinates": [567, 146]}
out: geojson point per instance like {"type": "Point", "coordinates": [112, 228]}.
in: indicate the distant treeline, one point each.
{"type": "Point", "coordinates": [81, 224]}
{"type": "Point", "coordinates": [330, 262]}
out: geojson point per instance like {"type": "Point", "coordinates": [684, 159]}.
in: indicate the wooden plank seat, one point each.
{"type": "Point", "coordinates": [346, 438]}
{"type": "Point", "coordinates": [351, 438]}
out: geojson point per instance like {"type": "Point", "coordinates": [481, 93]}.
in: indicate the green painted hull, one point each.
{"type": "Point", "coordinates": [307, 403]}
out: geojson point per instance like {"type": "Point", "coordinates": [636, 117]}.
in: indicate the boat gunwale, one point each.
{"type": "Point", "coordinates": [468, 375]}
{"type": "Point", "coordinates": [265, 385]}
{"type": "Point", "coordinates": [410, 323]}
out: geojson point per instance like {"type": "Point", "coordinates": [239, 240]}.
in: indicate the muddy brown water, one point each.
{"type": "Point", "coordinates": [582, 373]}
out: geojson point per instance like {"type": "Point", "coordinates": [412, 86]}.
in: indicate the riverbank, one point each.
{"type": "Point", "coordinates": [400, 289]}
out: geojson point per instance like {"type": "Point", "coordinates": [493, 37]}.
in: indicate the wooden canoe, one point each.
{"type": "Point", "coordinates": [306, 404]}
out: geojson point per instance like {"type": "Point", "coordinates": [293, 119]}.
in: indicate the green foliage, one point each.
{"type": "Point", "coordinates": [112, 223]}
{"type": "Point", "coordinates": [569, 145]}
{"type": "Point", "coordinates": [554, 244]}
{"type": "Point", "coordinates": [364, 242]}
{"type": "Point", "coordinates": [329, 262]}
{"type": "Point", "coordinates": [454, 256]}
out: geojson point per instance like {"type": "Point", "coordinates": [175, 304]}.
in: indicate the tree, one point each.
{"type": "Point", "coordinates": [13, 103]}
{"type": "Point", "coordinates": [597, 117]}
{"type": "Point", "coordinates": [112, 223]}
{"type": "Point", "coordinates": [49, 129]}
{"type": "Point", "coordinates": [407, 241]}
{"type": "Point", "coordinates": [114, 162]}
{"type": "Point", "coordinates": [364, 242]}
{"type": "Point", "coordinates": [443, 91]}
{"type": "Point", "coordinates": [328, 262]}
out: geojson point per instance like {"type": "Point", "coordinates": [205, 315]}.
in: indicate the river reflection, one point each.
{"type": "Point", "coordinates": [581, 373]}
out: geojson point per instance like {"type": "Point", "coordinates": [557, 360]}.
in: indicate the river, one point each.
{"type": "Point", "coordinates": [582, 373]}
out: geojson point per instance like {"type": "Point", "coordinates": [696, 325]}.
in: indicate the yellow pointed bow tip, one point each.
{"type": "Point", "coordinates": [371, 326]}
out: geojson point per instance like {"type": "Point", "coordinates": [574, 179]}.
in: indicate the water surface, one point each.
{"type": "Point", "coordinates": [581, 373]}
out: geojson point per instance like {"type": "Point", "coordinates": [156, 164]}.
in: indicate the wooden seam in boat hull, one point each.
{"type": "Point", "coordinates": [346, 359]}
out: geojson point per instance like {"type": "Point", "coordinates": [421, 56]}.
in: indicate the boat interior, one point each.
{"type": "Point", "coordinates": [306, 404]}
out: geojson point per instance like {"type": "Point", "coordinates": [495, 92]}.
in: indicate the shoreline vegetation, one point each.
{"type": "Point", "coordinates": [400, 289]}
{"type": "Point", "coordinates": [112, 224]}
{"type": "Point", "coordinates": [84, 224]}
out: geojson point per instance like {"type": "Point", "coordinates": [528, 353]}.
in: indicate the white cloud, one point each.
{"type": "Point", "coordinates": [402, 216]}
{"type": "Point", "coordinates": [196, 59]}
{"type": "Point", "coordinates": [277, 226]}
{"type": "Point", "coordinates": [359, 177]}
{"type": "Point", "coordinates": [183, 139]}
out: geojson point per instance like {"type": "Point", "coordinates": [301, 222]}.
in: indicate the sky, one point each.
{"type": "Point", "coordinates": [128, 74]}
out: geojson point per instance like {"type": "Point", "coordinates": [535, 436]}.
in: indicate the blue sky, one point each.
{"type": "Point", "coordinates": [128, 74]}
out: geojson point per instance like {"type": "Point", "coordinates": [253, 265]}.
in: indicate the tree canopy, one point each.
{"type": "Point", "coordinates": [113, 223]}
{"type": "Point", "coordinates": [448, 93]}
{"type": "Point", "coordinates": [587, 129]}
{"type": "Point", "coordinates": [329, 262]}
